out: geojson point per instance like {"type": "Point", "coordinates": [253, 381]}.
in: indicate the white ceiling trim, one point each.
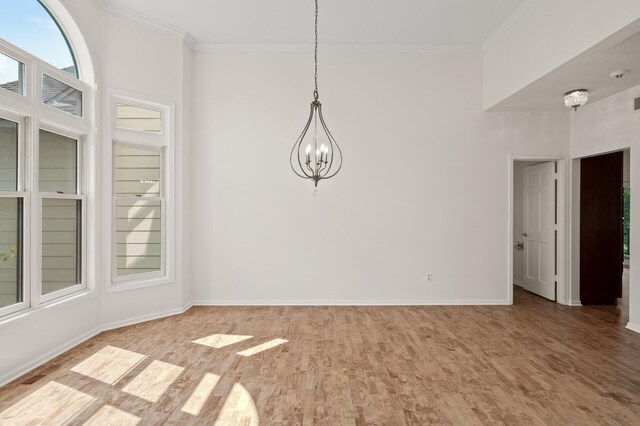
{"type": "Point", "coordinates": [336, 48]}
{"type": "Point", "coordinates": [121, 10]}
{"type": "Point", "coordinates": [190, 41]}
{"type": "Point", "coordinates": [114, 7]}
{"type": "Point", "coordinates": [508, 23]}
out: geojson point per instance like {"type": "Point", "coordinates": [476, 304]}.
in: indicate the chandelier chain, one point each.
{"type": "Point", "coordinates": [315, 92]}
{"type": "Point", "coordinates": [321, 158]}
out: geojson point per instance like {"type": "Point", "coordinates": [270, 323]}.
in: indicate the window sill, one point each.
{"type": "Point", "coordinates": [118, 286]}
{"type": "Point", "coordinates": [71, 299]}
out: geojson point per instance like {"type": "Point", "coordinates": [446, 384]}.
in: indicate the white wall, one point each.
{"type": "Point", "coordinates": [150, 66]}
{"type": "Point", "coordinates": [611, 125]}
{"type": "Point", "coordinates": [424, 186]}
{"type": "Point", "coordinates": [549, 34]}
{"type": "Point", "coordinates": [184, 192]}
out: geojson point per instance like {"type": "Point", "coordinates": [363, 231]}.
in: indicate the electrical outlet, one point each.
{"type": "Point", "coordinates": [429, 277]}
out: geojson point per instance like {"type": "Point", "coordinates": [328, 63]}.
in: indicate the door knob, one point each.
{"type": "Point", "coordinates": [525, 234]}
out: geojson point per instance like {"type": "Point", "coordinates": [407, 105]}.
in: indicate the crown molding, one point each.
{"type": "Point", "coordinates": [190, 41]}
{"type": "Point", "coordinates": [337, 48]}
{"type": "Point", "coordinates": [117, 8]}
{"type": "Point", "coordinates": [508, 23]}
{"type": "Point", "coordinates": [149, 21]}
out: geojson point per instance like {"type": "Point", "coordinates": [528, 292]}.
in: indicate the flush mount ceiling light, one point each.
{"type": "Point", "coordinates": [576, 98]}
{"type": "Point", "coordinates": [321, 158]}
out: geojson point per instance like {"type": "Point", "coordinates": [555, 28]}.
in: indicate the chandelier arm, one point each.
{"type": "Point", "coordinates": [339, 167]}
{"type": "Point", "coordinates": [329, 137]}
{"type": "Point", "coordinates": [299, 144]}
{"type": "Point", "coordinates": [332, 141]}
{"type": "Point", "coordinates": [311, 170]}
{"type": "Point", "coordinates": [304, 175]}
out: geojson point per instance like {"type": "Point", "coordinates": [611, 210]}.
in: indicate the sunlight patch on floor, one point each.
{"type": "Point", "coordinates": [238, 409]}
{"type": "Point", "coordinates": [52, 404]}
{"type": "Point", "coordinates": [153, 381]}
{"type": "Point", "coordinates": [109, 364]}
{"type": "Point", "coordinates": [221, 340]}
{"type": "Point", "coordinates": [108, 415]}
{"type": "Point", "coordinates": [201, 394]}
{"type": "Point", "coordinates": [263, 347]}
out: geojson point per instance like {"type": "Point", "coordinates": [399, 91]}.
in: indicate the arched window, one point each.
{"type": "Point", "coordinates": [30, 26]}
{"type": "Point", "coordinates": [44, 132]}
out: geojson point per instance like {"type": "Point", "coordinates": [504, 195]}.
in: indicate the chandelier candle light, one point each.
{"type": "Point", "coordinates": [322, 158]}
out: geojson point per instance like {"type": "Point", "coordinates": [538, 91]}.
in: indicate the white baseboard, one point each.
{"type": "Point", "coordinates": [518, 283]}
{"type": "Point", "coordinates": [633, 327]}
{"type": "Point", "coordinates": [574, 303]}
{"type": "Point", "coordinates": [249, 302]}
{"type": "Point", "coordinates": [144, 318]}
{"type": "Point", "coordinates": [31, 365]}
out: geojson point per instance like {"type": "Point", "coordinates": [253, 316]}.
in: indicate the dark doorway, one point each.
{"type": "Point", "coordinates": [601, 229]}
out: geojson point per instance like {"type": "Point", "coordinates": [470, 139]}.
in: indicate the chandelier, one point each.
{"type": "Point", "coordinates": [576, 98]}
{"type": "Point", "coordinates": [321, 157]}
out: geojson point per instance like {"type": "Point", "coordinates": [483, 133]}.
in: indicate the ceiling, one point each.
{"type": "Point", "coordinates": [590, 70]}
{"type": "Point", "coordinates": [342, 22]}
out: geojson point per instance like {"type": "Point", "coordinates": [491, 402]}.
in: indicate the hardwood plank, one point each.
{"type": "Point", "coordinates": [536, 362]}
{"type": "Point", "coordinates": [52, 404]}
{"type": "Point", "coordinates": [108, 415]}
{"type": "Point", "coordinates": [153, 381]}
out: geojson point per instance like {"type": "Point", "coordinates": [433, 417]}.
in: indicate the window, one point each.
{"type": "Point", "coordinates": [141, 119]}
{"type": "Point", "coordinates": [10, 251]}
{"type": "Point", "coordinates": [62, 96]}
{"type": "Point", "coordinates": [30, 26]}
{"type": "Point", "coordinates": [8, 155]}
{"type": "Point", "coordinates": [11, 74]}
{"type": "Point", "coordinates": [12, 203]}
{"type": "Point", "coordinates": [62, 219]}
{"type": "Point", "coordinates": [139, 203]}
{"type": "Point", "coordinates": [43, 178]}
{"type": "Point", "coordinates": [141, 182]}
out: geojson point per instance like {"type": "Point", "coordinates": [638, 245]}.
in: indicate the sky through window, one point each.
{"type": "Point", "coordinates": [28, 25]}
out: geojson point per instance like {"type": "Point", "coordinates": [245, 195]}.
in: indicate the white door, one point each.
{"type": "Point", "coordinates": [539, 230]}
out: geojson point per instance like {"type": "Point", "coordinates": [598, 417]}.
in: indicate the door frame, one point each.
{"type": "Point", "coordinates": [574, 229]}
{"type": "Point", "coordinates": [563, 295]}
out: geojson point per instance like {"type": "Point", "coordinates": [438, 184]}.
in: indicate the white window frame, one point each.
{"type": "Point", "coordinates": [145, 276]}
{"type": "Point", "coordinates": [78, 196]}
{"type": "Point", "coordinates": [164, 143]}
{"type": "Point", "coordinates": [32, 115]}
{"type": "Point", "coordinates": [26, 214]}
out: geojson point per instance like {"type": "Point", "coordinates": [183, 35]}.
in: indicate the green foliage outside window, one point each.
{"type": "Point", "coordinates": [12, 254]}
{"type": "Point", "coordinates": [626, 222]}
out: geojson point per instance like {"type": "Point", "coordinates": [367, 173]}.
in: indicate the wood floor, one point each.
{"type": "Point", "coordinates": [532, 363]}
